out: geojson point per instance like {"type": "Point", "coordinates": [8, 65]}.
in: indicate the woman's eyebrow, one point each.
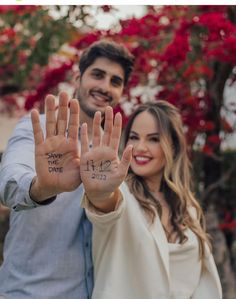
{"type": "Point", "coordinates": [153, 134]}
{"type": "Point", "coordinates": [133, 132]}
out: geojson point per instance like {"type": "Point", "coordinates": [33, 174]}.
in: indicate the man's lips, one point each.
{"type": "Point", "coordinates": [98, 96]}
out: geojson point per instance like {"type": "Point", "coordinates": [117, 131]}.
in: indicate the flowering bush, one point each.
{"type": "Point", "coordinates": [28, 38]}
{"type": "Point", "coordinates": [188, 51]}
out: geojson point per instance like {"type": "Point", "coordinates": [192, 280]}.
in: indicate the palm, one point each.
{"type": "Point", "coordinates": [57, 159]}
{"type": "Point", "coordinates": [57, 163]}
{"type": "Point", "coordinates": [101, 170]}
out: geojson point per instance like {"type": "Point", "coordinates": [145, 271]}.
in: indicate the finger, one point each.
{"type": "Point", "coordinates": [125, 160]}
{"type": "Point", "coordinates": [116, 132]}
{"type": "Point", "coordinates": [38, 132]}
{"type": "Point", "coordinates": [50, 116]}
{"type": "Point", "coordinates": [73, 127]}
{"type": "Point", "coordinates": [96, 136]}
{"type": "Point", "coordinates": [62, 113]}
{"type": "Point", "coordinates": [84, 139]}
{"type": "Point", "coordinates": [107, 126]}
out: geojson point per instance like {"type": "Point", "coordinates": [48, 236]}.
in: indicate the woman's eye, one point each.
{"type": "Point", "coordinates": [133, 137]}
{"type": "Point", "coordinates": [154, 139]}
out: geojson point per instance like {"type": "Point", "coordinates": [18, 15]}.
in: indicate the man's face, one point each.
{"type": "Point", "coordinates": [101, 85]}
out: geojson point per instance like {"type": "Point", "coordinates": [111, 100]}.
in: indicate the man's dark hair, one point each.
{"type": "Point", "coordinates": [110, 50]}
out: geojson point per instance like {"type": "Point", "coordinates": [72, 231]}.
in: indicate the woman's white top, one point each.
{"type": "Point", "coordinates": [133, 260]}
{"type": "Point", "coordinates": [184, 258]}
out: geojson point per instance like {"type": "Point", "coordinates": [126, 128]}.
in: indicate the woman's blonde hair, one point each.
{"type": "Point", "coordinates": [176, 181]}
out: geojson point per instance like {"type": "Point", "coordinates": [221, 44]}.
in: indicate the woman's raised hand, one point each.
{"type": "Point", "coordinates": [101, 170]}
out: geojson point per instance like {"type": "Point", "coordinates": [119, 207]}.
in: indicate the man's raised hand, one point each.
{"type": "Point", "coordinates": [57, 158]}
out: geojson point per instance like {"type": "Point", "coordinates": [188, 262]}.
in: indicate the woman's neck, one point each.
{"type": "Point", "coordinates": [153, 184]}
{"type": "Point", "coordinates": [154, 188]}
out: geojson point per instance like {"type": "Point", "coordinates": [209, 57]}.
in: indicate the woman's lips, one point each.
{"type": "Point", "coordinates": [141, 160]}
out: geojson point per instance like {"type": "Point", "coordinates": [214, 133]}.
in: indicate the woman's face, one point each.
{"type": "Point", "coordinates": [148, 157]}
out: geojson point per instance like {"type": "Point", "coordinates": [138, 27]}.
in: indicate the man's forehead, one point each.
{"type": "Point", "coordinates": [107, 66]}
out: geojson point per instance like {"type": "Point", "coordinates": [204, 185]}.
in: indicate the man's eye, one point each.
{"type": "Point", "coordinates": [97, 75]}
{"type": "Point", "coordinates": [116, 83]}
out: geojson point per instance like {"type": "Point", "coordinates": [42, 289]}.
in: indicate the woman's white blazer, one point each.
{"type": "Point", "coordinates": [131, 257]}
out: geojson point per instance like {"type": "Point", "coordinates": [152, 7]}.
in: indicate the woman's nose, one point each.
{"type": "Point", "coordinates": [141, 146]}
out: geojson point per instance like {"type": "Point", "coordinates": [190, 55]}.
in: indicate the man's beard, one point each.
{"type": "Point", "coordinates": [89, 112]}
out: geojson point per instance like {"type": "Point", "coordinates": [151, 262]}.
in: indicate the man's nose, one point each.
{"type": "Point", "coordinates": [106, 85]}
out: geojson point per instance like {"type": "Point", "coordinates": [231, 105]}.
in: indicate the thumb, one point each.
{"type": "Point", "coordinates": [126, 159]}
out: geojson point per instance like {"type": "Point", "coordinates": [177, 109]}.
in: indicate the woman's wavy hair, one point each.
{"type": "Point", "coordinates": [176, 181]}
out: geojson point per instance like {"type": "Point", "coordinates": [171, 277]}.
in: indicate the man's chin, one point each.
{"type": "Point", "coordinates": [91, 111]}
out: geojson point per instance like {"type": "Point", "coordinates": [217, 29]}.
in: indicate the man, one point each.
{"type": "Point", "coordinates": [47, 250]}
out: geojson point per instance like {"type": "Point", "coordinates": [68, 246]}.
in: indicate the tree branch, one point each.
{"type": "Point", "coordinates": [225, 177]}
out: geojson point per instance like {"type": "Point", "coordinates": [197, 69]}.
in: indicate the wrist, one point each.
{"type": "Point", "coordinates": [38, 194]}
{"type": "Point", "coordinates": [107, 204]}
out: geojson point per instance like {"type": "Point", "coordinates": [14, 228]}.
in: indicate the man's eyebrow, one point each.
{"type": "Point", "coordinates": [98, 70]}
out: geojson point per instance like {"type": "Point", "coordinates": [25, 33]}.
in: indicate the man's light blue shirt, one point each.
{"type": "Point", "coordinates": [47, 251]}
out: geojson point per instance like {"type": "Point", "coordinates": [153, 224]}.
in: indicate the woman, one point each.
{"type": "Point", "coordinates": [149, 240]}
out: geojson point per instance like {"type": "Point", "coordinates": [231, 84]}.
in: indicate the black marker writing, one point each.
{"type": "Point", "coordinates": [54, 156]}
{"type": "Point", "coordinates": [103, 166]}
{"type": "Point", "coordinates": [53, 160]}
{"type": "Point", "coordinates": [55, 169]}
{"type": "Point", "coordinates": [98, 176]}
